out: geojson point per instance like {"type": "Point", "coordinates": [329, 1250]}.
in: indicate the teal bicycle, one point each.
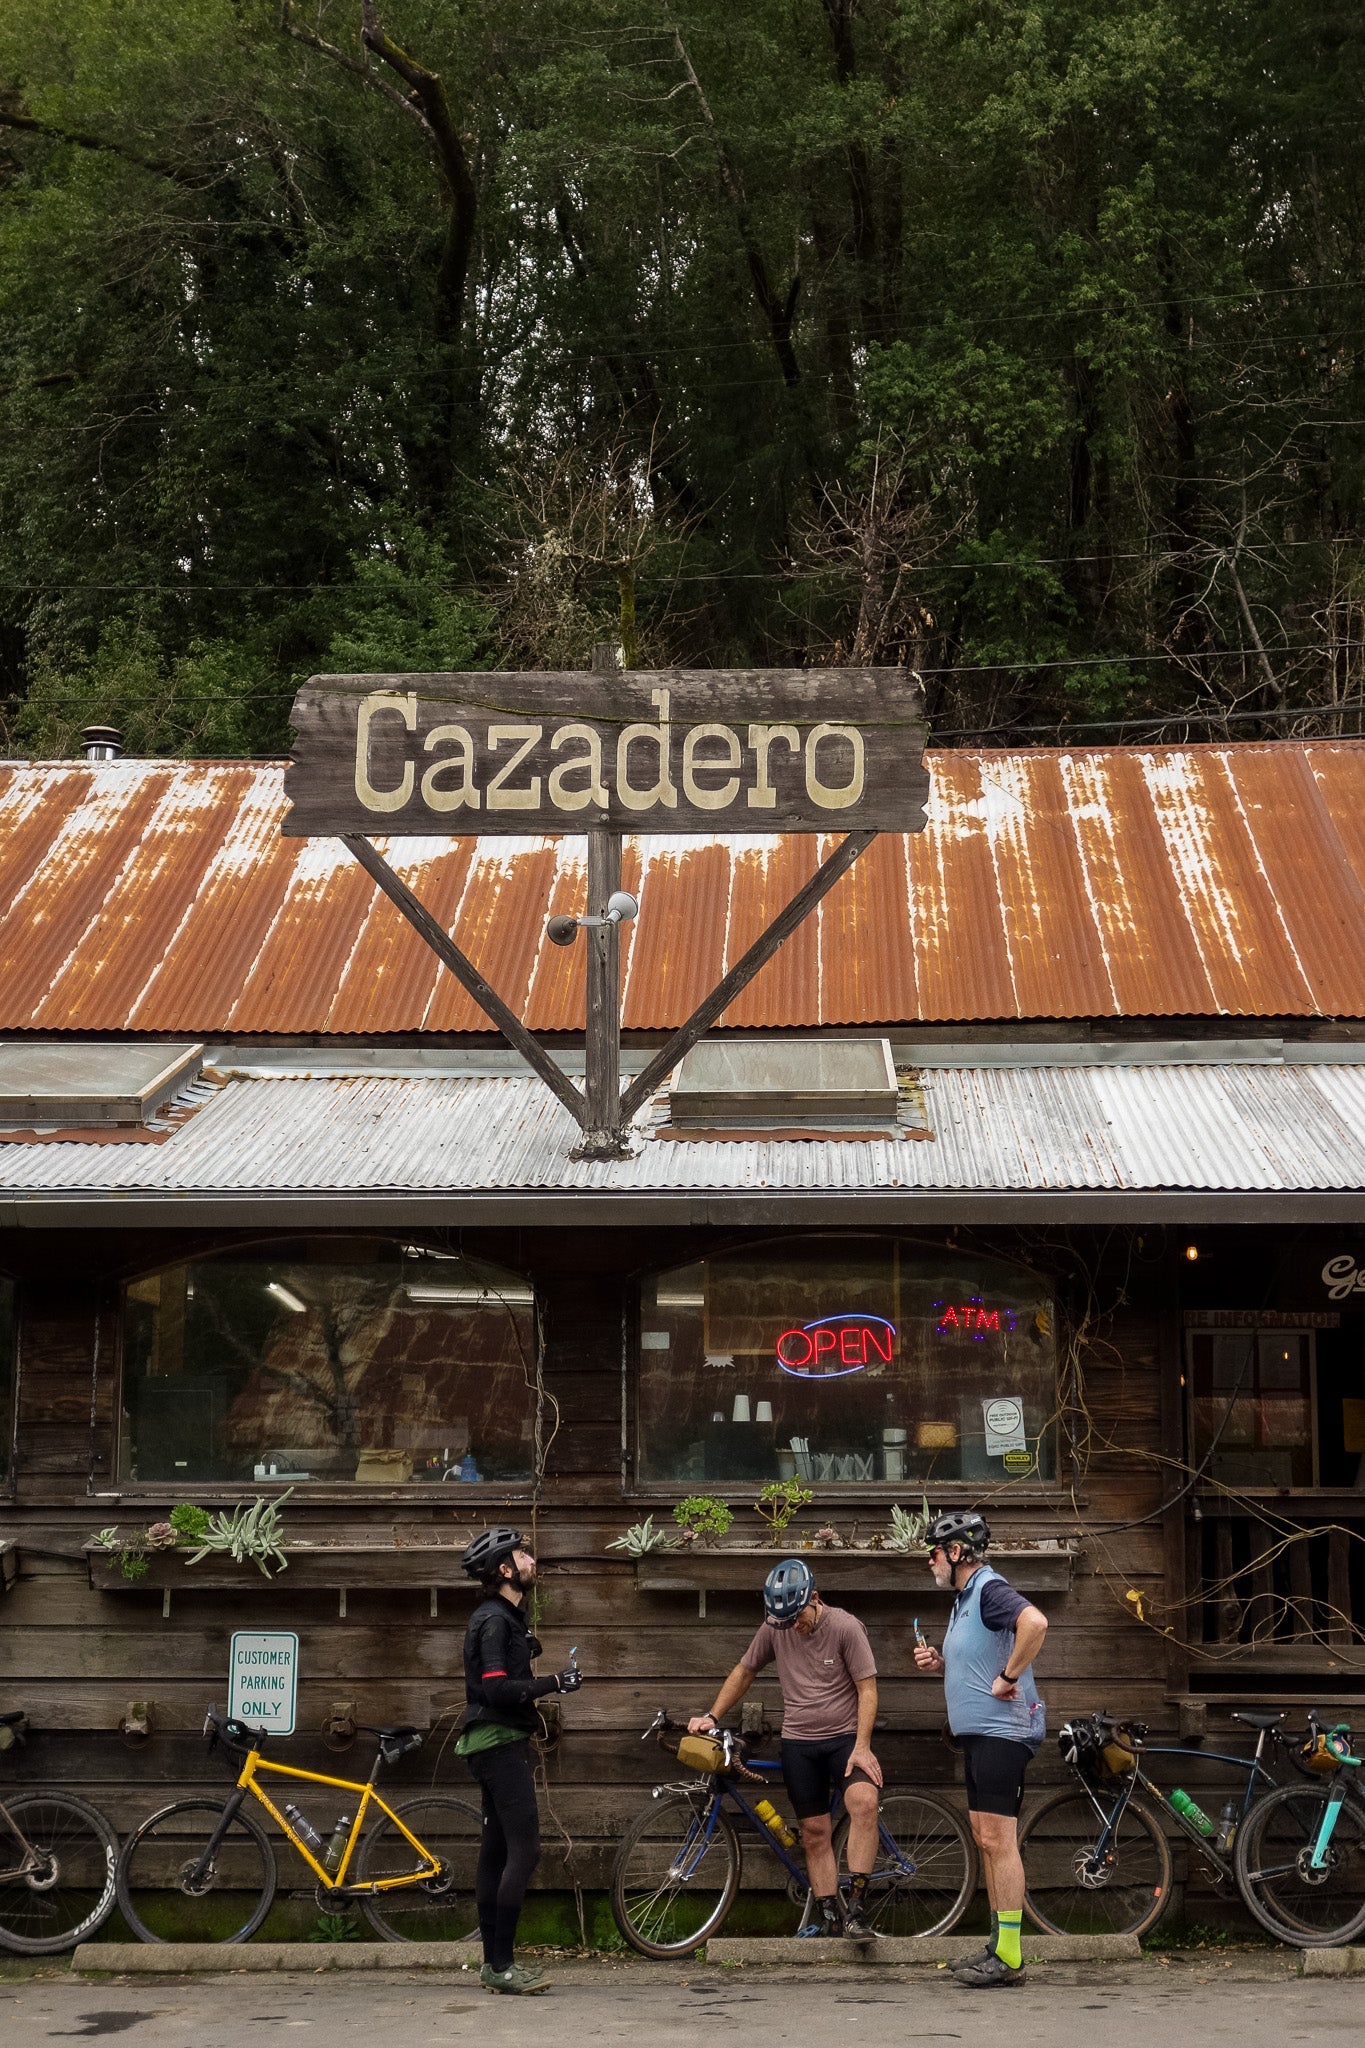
{"type": "Point", "coordinates": [1301, 1851]}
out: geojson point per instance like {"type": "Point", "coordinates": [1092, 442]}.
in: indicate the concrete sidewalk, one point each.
{"type": "Point", "coordinates": [1248, 1998]}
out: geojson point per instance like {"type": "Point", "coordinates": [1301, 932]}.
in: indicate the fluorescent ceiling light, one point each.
{"type": "Point", "coordinates": [433, 1293]}
{"type": "Point", "coordinates": [284, 1294]}
{"type": "Point", "coordinates": [674, 1298]}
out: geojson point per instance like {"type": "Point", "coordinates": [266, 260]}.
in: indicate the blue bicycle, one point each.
{"type": "Point", "coordinates": [679, 1867]}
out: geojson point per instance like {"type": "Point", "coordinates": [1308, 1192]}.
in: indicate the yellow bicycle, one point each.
{"type": "Point", "coordinates": [204, 1870]}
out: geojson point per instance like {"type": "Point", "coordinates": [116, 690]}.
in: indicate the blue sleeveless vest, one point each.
{"type": "Point", "coordinates": [974, 1655]}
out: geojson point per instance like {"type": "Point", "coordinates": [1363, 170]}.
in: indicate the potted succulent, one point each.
{"type": "Point", "coordinates": [702, 1518]}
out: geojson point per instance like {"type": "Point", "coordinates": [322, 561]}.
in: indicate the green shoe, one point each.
{"type": "Point", "coordinates": [515, 1979]}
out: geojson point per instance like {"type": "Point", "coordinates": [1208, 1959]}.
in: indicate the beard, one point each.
{"type": "Point", "coordinates": [943, 1576]}
{"type": "Point", "coordinates": [526, 1577]}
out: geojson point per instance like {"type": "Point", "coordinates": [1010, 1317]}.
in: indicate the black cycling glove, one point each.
{"type": "Point", "coordinates": [570, 1680]}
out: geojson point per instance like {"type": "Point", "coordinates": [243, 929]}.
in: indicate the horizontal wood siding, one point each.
{"type": "Point", "coordinates": [75, 1658]}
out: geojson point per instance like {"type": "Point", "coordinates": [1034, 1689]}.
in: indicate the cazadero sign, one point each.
{"type": "Point", "coordinates": [791, 750]}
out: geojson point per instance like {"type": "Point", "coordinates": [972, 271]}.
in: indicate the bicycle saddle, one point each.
{"type": "Point", "coordinates": [394, 1742]}
{"type": "Point", "coordinates": [1255, 1718]}
{"type": "Point", "coordinates": [13, 1720]}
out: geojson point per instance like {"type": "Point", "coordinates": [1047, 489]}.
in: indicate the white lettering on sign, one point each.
{"type": "Point", "coordinates": [263, 1677]}
{"type": "Point", "coordinates": [1342, 1276]}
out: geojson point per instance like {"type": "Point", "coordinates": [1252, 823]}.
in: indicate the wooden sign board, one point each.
{"type": "Point", "coordinates": [675, 750]}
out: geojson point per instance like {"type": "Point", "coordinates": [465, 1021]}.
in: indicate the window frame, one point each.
{"type": "Point", "coordinates": [1193, 1455]}
{"type": "Point", "coordinates": [1060, 1490]}
{"type": "Point", "coordinates": [9, 1419]}
{"type": "Point", "coordinates": [319, 1492]}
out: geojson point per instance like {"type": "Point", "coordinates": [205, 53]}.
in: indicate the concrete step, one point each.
{"type": "Point", "coordinates": [1334, 1962]}
{"type": "Point", "coordinates": [926, 1949]}
{"type": "Point", "coordinates": [180, 1958]}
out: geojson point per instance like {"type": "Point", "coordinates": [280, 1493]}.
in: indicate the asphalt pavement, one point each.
{"type": "Point", "coordinates": [1203, 1999]}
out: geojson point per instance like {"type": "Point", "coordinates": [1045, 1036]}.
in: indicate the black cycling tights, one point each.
{"type": "Point", "coordinates": [510, 1847]}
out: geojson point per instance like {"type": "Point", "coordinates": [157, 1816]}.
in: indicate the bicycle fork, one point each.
{"type": "Point", "coordinates": [1336, 1799]}
{"type": "Point", "coordinates": [198, 1876]}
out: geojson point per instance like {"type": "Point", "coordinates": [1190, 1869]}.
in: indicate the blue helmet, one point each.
{"type": "Point", "coordinates": [788, 1588]}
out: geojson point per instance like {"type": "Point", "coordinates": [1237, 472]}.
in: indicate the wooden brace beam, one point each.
{"type": "Point", "coordinates": [468, 975]}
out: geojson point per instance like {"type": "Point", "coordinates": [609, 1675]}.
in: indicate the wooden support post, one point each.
{"type": "Point", "coordinates": [1304, 1626]}
{"type": "Point", "coordinates": [467, 974]}
{"type": "Point", "coordinates": [1340, 1633]}
{"type": "Point", "coordinates": [603, 1136]}
{"type": "Point", "coordinates": [744, 970]}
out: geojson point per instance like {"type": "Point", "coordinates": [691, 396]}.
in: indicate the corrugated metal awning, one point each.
{"type": "Point", "coordinates": [1263, 1131]}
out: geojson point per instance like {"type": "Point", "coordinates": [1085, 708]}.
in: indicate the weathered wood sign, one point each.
{"type": "Point", "coordinates": [735, 750]}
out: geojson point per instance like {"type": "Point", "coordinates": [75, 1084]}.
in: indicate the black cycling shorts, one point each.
{"type": "Point", "coordinates": [814, 1771]}
{"type": "Point", "coordinates": [994, 1768]}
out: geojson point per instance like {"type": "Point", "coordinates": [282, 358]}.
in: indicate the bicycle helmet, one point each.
{"type": "Point", "coordinates": [958, 1525]}
{"type": "Point", "coordinates": [787, 1590]}
{"type": "Point", "coordinates": [491, 1548]}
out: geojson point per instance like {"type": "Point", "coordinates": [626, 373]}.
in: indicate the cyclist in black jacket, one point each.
{"type": "Point", "coordinates": [499, 1720]}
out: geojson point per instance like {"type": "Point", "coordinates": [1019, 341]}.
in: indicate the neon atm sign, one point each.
{"type": "Point", "coordinates": [833, 1346]}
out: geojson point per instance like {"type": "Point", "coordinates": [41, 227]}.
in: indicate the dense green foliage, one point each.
{"type": "Point", "coordinates": [1019, 340]}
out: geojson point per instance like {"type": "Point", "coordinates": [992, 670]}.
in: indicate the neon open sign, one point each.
{"type": "Point", "coordinates": [832, 1346]}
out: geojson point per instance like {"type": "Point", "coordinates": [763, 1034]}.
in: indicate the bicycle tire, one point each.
{"type": "Point", "coordinates": [1280, 1893]}
{"type": "Point", "coordinates": [1055, 1840]}
{"type": "Point", "coordinates": [158, 1856]}
{"type": "Point", "coordinates": [73, 1894]}
{"type": "Point", "coordinates": [638, 1884]}
{"type": "Point", "coordinates": [930, 1881]}
{"type": "Point", "coordinates": [441, 1909]}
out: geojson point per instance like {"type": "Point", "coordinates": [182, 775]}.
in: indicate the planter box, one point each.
{"type": "Point", "coordinates": [312, 1566]}
{"type": "Point", "coordinates": [839, 1571]}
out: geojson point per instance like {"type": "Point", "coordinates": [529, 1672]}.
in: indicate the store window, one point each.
{"type": "Point", "coordinates": [846, 1361]}
{"type": "Point", "coordinates": [336, 1360]}
{"type": "Point", "coordinates": [1252, 1402]}
{"type": "Point", "coordinates": [8, 1340]}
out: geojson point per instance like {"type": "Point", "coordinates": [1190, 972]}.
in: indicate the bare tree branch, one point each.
{"type": "Point", "coordinates": [80, 138]}
{"type": "Point", "coordinates": [778, 309]}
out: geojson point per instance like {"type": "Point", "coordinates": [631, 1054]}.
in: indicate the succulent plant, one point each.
{"type": "Point", "coordinates": [642, 1537]}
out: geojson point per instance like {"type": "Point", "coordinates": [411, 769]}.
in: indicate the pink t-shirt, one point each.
{"type": "Point", "coordinates": [818, 1673]}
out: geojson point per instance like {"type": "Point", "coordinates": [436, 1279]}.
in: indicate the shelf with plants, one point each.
{"type": "Point", "coordinates": [696, 1557]}
{"type": "Point", "coordinates": [246, 1551]}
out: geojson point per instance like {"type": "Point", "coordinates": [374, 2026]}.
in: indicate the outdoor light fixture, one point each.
{"type": "Point", "coordinates": [286, 1295]}
{"type": "Point", "coordinates": [621, 907]}
{"type": "Point", "coordinates": [1191, 1251]}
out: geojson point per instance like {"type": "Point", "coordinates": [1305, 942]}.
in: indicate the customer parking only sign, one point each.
{"type": "Point", "coordinates": [263, 1679]}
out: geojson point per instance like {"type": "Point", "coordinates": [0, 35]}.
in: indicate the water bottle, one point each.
{"type": "Point", "coordinates": [1187, 1809]}
{"type": "Point", "coordinates": [303, 1827]}
{"type": "Point", "coordinates": [773, 1821]}
{"type": "Point", "coordinates": [336, 1848]}
{"type": "Point", "coordinates": [1227, 1826]}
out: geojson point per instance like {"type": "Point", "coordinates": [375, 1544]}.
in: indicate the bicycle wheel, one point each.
{"type": "Point", "coordinates": [57, 1858]}
{"type": "Point", "coordinates": [442, 1908]}
{"type": "Point", "coordinates": [675, 1876]}
{"type": "Point", "coordinates": [1275, 1843]}
{"type": "Point", "coordinates": [165, 1894]}
{"type": "Point", "coordinates": [1072, 1889]}
{"type": "Point", "coordinates": [925, 1873]}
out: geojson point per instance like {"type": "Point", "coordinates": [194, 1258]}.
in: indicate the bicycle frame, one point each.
{"type": "Point", "coordinates": [1253, 1767]}
{"type": "Point", "coordinates": [1336, 1799]}
{"type": "Point", "coordinates": [333, 1881]}
{"type": "Point", "coordinates": [32, 1860]}
{"type": "Point", "coordinates": [722, 1788]}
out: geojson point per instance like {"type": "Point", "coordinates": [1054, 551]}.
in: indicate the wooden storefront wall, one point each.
{"type": "Point", "coordinates": [75, 1658]}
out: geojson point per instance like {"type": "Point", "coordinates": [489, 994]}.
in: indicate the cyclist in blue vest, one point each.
{"type": "Point", "coordinates": [992, 1638]}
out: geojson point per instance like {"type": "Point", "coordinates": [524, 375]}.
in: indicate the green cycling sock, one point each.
{"type": "Point", "coordinates": [1007, 1938]}
{"type": "Point", "coordinates": [995, 1927]}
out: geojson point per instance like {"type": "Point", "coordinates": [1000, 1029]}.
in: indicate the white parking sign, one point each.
{"type": "Point", "coordinates": [263, 1679]}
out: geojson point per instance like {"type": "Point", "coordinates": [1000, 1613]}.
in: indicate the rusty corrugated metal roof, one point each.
{"type": "Point", "coordinates": [158, 896]}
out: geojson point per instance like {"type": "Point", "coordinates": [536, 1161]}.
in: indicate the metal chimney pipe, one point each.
{"type": "Point", "coordinates": [101, 742]}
